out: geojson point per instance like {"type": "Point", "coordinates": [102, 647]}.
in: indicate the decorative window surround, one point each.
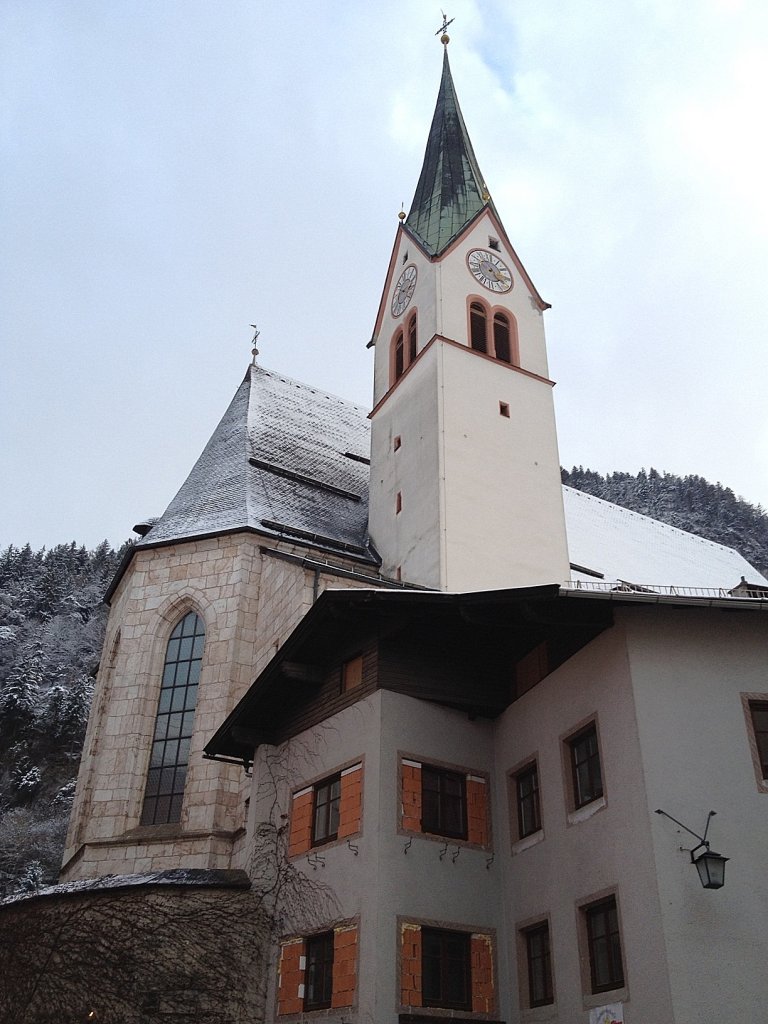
{"type": "Point", "coordinates": [346, 819]}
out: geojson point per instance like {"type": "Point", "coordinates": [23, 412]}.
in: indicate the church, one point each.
{"type": "Point", "coordinates": [466, 727]}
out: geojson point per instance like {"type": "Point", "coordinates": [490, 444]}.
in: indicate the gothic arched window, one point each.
{"type": "Point", "coordinates": [173, 727]}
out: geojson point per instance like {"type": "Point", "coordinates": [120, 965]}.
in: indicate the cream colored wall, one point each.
{"type": "Point", "coordinates": [689, 670]}
{"type": "Point", "coordinates": [504, 524]}
{"type": "Point", "coordinates": [379, 881]}
{"type": "Point", "coordinates": [250, 603]}
{"type": "Point", "coordinates": [424, 301]}
{"type": "Point", "coordinates": [342, 884]}
{"type": "Point", "coordinates": [580, 855]}
{"type": "Point", "coordinates": [440, 299]}
{"type": "Point", "coordinates": [482, 504]}
{"type": "Point", "coordinates": [410, 540]}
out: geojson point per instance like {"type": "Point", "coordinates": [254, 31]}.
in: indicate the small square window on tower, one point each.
{"type": "Point", "coordinates": [493, 243]}
{"type": "Point", "coordinates": [504, 409]}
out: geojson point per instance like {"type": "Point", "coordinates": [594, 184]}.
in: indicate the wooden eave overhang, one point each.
{"type": "Point", "coordinates": [482, 635]}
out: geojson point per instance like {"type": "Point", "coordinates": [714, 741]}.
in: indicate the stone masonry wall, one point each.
{"type": "Point", "coordinates": [219, 579]}
{"type": "Point", "coordinates": [250, 602]}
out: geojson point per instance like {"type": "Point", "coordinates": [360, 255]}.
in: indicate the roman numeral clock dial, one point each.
{"type": "Point", "coordinates": [404, 290]}
{"type": "Point", "coordinates": [489, 270]}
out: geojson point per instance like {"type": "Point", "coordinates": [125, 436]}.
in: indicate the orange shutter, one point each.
{"type": "Point", "coordinates": [483, 1000]}
{"type": "Point", "coordinates": [290, 977]}
{"type": "Point", "coordinates": [352, 673]}
{"type": "Point", "coordinates": [351, 802]}
{"type": "Point", "coordinates": [344, 965]}
{"type": "Point", "coordinates": [301, 823]}
{"type": "Point", "coordinates": [410, 965]}
{"type": "Point", "coordinates": [411, 796]}
{"type": "Point", "coordinates": [477, 811]}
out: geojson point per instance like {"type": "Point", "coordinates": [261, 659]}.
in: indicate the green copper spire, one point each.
{"type": "Point", "coordinates": [450, 191]}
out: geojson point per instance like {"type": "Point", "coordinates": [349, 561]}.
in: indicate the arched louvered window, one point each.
{"type": "Point", "coordinates": [412, 338]}
{"type": "Point", "coordinates": [399, 360]}
{"type": "Point", "coordinates": [173, 727]}
{"type": "Point", "coordinates": [501, 338]}
{"type": "Point", "coordinates": [478, 327]}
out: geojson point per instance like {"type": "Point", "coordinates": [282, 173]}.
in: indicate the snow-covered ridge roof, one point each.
{"type": "Point", "coordinates": [286, 460]}
{"type": "Point", "coordinates": [290, 461]}
{"type": "Point", "coordinates": [174, 877]}
{"type": "Point", "coordinates": [628, 547]}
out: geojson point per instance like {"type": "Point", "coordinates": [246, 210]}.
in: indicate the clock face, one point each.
{"type": "Point", "coordinates": [489, 270]}
{"type": "Point", "coordinates": [404, 289]}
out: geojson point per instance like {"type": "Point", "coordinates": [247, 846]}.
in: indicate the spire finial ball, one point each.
{"type": "Point", "coordinates": [401, 215]}
{"type": "Point", "coordinates": [445, 39]}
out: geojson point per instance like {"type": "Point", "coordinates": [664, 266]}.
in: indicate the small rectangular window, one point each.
{"type": "Point", "coordinates": [539, 965]}
{"type": "Point", "coordinates": [318, 979]}
{"type": "Point", "coordinates": [352, 673]}
{"type": "Point", "coordinates": [493, 243]}
{"type": "Point", "coordinates": [325, 810]}
{"type": "Point", "coordinates": [758, 710]}
{"type": "Point", "coordinates": [398, 503]}
{"type": "Point", "coordinates": [585, 766]}
{"type": "Point", "coordinates": [527, 800]}
{"type": "Point", "coordinates": [504, 409]}
{"type": "Point", "coordinates": [396, 443]}
{"type": "Point", "coordinates": [446, 969]}
{"type": "Point", "coordinates": [443, 802]}
{"type": "Point", "coordinates": [604, 944]}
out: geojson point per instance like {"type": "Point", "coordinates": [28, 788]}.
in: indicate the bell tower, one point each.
{"type": "Point", "coordinates": [465, 489]}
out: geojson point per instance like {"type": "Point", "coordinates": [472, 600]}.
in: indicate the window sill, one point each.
{"type": "Point", "coordinates": [585, 812]}
{"type": "Point", "coordinates": [438, 1017]}
{"type": "Point", "coordinates": [525, 844]}
{"type": "Point", "coordinates": [534, 1014]}
{"type": "Point", "coordinates": [433, 837]}
{"type": "Point", "coordinates": [593, 1000]}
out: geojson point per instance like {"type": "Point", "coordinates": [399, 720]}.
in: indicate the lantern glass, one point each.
{"type": "Point", "coordinates": [711, 868]}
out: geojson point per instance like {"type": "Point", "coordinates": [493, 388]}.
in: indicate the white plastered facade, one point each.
{"type": "Point", "coordinates": [464, 446]}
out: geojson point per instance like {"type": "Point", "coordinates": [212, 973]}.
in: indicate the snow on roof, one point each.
{"type": "Point", "coordinates": [286, 459]}
{"type": "Point", "coordinates": [290, 461]}
{"type": "Point", "coordinates": [173, 877]}
{"type": "Point", "coordinates": [633, 548]}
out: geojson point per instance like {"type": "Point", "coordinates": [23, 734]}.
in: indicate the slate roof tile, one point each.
{"type": "Point", "coordinates": [277, 463]}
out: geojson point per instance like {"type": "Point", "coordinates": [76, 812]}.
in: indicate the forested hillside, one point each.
{"type": "Point", "coordinates": [52, 626]}
{"type": "Point", "coordinates": [687, 502]}
{"type": "Point", "coordinates": [51, 629]}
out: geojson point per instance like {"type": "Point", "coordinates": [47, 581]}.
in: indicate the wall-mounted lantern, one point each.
{"type": "Point", "coordinates": [710, 865]}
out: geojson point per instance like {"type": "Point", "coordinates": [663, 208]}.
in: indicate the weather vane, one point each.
{"type": "Point", "coordinates": [254, 350]}
{"type": "Point", "coordinates": [444, 38]}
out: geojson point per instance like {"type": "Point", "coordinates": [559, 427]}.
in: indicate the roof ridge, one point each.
{"type": "Point", "coordinates": [308, 387]}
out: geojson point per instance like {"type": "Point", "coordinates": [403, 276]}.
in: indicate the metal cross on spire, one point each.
{"type": "Point", "coordinates": [444, 38]}
{"type": "Point", "coordinates": [254, 350]}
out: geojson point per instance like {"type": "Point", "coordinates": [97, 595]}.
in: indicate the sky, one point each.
{"type": "Point", "coordinates": [176, 170]}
